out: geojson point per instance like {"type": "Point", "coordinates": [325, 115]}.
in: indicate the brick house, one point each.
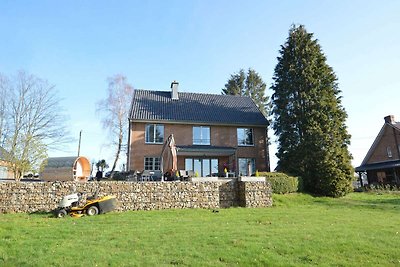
{"type": "Point", "coordinates": [212, 132]}
{"type": "Point", "coordinates": [382, 162]}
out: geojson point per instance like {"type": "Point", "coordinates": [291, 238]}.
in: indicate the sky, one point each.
{"type": "Point", "coordinates": [77, 45]}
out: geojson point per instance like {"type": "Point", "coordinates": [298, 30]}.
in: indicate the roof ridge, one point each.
{"type": "Point", "coordinates": [152, 105]}
{"type": "Point", "coordinates": [195, 93]}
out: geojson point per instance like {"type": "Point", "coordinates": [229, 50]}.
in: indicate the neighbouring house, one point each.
{"type": "Point", "coordinates": [213, 133]}
{"type": "Point", "coordinates": [382, 162]}
{"type": "Point", "coordinates": [66, 169]}
{"type": "Point", "coordinates": [5, 171]}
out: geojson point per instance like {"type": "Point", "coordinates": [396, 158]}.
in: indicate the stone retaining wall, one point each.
{"type": "Point", "coordinates": [254, 194]}
{"type": "Point", "coordinates": [44, 196]}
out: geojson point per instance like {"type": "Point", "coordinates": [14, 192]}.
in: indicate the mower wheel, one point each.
{"type": "Point", "coordinates": [92, 210]}
{"type": "Point", "coordinates": [61, 213]}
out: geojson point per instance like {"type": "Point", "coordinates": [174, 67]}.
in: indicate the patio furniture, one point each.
{"type": "Point", "coordinates": [183, 175]}
{"type": "Point", "coordinates": [146, 176]}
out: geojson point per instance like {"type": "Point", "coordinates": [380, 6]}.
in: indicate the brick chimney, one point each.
{"type": "Point", "coordinates": [174, 91]}
{"type": "Point", "coordinates": [390, 119]}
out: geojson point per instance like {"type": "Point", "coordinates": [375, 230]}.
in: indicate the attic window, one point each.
{"type": "Point", "coordinates": [389, 152]}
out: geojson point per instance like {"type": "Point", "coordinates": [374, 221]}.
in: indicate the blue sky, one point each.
{"type": "Point", "coordinates": [76, 45]}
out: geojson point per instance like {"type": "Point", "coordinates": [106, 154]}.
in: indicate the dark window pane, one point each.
{"type": "Point", "coordinates": [154, 133]}
{"type": "Point", "coordinates": [159, 138]}
{"type": "Point", "coordinates": [245, 136]}
{"type": "Point", "coordinates": [244, 166]}
{"type": "Point", "coordinates": [249, 136]}
{"type": "Point", "coordinates": [150, 133]}
{"type": "Point", "coordinates": [197, 167]}
{"type": "Point", "coordinates": [214, 167]}
{"type": "Point", "coordinates": [206, 168]}
{"type": "Point", "coordinates": [189, 164]}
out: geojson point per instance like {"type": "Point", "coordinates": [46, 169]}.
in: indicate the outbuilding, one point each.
{"type": "Point", "coordinates": [67, 169]}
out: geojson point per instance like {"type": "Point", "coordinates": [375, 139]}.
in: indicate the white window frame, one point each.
{"type": "Point", "coordinates": [201, 141]}
{"type": "Point", "coordinates": [389, 152]}
{"type": "Point", "coordinates": [252, 160]}
{"type": "Point", "coordinates": [154, 133]}
{"type": "Point", "coordinates": [239, 140]}
{"type": "Point", "coordinates": [153, 164]}
{"type": "Point", "coordinates": [202, 160]}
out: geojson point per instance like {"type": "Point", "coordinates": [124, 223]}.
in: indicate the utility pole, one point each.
{"type": "Point", "coordinates": [79, 146]}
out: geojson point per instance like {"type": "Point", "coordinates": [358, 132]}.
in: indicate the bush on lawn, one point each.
{"type": "Point", "coordinates": [380, 188]}
{"type": "Point", "coordinates": [282, 183]}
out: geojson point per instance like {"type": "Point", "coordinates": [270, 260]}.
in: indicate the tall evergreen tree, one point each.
{"type": "Point", "coordinates": [248, 84]}
{"type": "Point", "coordinates": [309, 119]}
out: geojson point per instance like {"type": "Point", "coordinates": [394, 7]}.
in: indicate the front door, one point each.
{"type": "Point", "coordinates": [203, 167]}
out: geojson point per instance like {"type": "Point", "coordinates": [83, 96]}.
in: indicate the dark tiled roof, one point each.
{"type": "Point", "coordinates": [196, 108]}
{"type": "Point", "coordinates": [60, 162]}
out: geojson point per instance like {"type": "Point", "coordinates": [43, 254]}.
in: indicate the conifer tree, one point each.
{"type": "Point", "coordinates": [309, 119]}
{"type": "Point", "coordinates": [248, 84]}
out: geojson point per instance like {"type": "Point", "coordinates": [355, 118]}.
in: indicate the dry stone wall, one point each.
{"type": "Point", "coordinates": [44, 196]}
{"type": "Point", "coordinates": [254, 194]}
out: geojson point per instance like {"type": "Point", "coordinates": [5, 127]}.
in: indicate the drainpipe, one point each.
{"type": "Point", "coordinates": [267, 150]}
{"type": "Point", "coordinates": [128, 156]}
{"type": "Point", "coordinates": [398, 154]}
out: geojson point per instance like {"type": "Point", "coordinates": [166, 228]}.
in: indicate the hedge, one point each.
{"type": "Point", "coordinates": [282, 183]}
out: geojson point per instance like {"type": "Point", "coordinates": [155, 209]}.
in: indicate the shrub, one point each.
{"type": "Point", "coordinates": [120, 176]}
{"type": "Point", "coordinates": [381, 188]}
{"type": "Point", "coordinates": [282, 183]}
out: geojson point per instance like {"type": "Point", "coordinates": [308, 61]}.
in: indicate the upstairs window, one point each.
{"type": "Point", "coordinates": [154, 133]}
{"type": "Point", "coordinates": [245, 137]}
{"type": "Point", "coordinates": [201, 135]}
{"type": "Point", "coordinates": [389, 152]}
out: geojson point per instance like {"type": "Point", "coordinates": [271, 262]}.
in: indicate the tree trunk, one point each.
{"type": "Point", "coordinates": [116, 156]}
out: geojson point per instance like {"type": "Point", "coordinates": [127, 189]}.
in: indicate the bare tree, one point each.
{"type": "Point", "coordinates": [35, 122]}
{"type": "Point", "coordinates": [3, 109]}
{"type": "Point", "coordinates": [116, 110]}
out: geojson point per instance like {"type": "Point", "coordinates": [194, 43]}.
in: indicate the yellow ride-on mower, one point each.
{"type": "Point", "coordinates": [93, 206]}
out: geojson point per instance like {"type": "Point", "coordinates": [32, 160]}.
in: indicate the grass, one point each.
{"type": "Point", "coordinates": [360, 229]}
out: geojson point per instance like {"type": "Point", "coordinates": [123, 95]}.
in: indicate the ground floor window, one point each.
{"type": "Point", "coordinates": [152, 163]}
{"type": "Point", "coordinates": [247, 166]}
{"type": "Point", "coordinates": [203, 167]}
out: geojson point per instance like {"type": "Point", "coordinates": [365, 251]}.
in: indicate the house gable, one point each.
{"type": "Point", "coordinates": [386, 145]}
{"type": "Point", "coordinates": [382, 162]}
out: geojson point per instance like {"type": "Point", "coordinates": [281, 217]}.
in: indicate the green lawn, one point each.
{"type": "Point", "coordinates": [358, 230]}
